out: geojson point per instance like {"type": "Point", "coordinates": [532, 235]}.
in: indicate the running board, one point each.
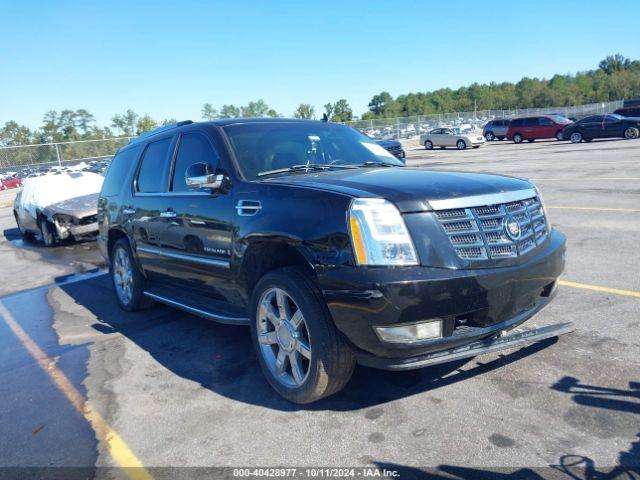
{"type": "Point", "coordinates": [200, 312]}
{"type": "Point", "coordinates": [474, 349]}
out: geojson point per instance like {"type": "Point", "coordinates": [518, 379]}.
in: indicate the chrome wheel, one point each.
{"type": "Point", "coordinates": [123, 276]}
{"type": "Point", "coordinates": [576, 137]}
{"type": "Point", "coordinates": [490, 137]}
{"type": "Point", "coordinates": [631, 133]}
{"type": "Point", "coordinates": [517, 138]}
{"type": "Point", "coordinates": [428, 145]}
{"type": "Point", "coordinates": [283, 337]}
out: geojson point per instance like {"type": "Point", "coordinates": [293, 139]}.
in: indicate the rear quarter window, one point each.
{"type": "Point", "coordinates": [118, 171]}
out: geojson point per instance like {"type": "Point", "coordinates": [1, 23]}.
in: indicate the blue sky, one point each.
{"type": "Point", "coordinates": [169, 58]}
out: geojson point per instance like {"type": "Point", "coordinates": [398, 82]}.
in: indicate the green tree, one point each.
{"type": "Point", "coordinates": [304, 110]}
{"type": "Point", "coordinates": [229, 111]}
{"type": "Point", "coordinates": [14, 134]}
{"type": "Point", "coordinates": [342, 111]}
{"type": "Point", "coordinates": [256, 109]}
{"type": "Point", "coordinates": [145, 124]}
{"type": "Point", "coordinates": [209, 113]}
{"type": "Point", "coordinates": [614, 63]}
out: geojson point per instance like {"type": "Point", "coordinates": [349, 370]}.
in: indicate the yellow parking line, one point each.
{"type": "Point", "coordinates": [601, 209]}
{"type": "Point", "coordinates": [597, 288]}
{"type": "Point", "coordinates": [121, 453]}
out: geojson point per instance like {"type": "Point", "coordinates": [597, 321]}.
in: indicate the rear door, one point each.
{"type": "Point", "coordinates": [150, 210]}
{"type": "Point", "coordinates": [529, 128]}
{"type": "Point", "coordinates": [612, 127]}
{"type": "Point", "coordinates": [197, 239]}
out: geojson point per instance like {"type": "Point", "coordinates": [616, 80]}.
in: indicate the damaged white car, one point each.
{"type": "Point", "coordinates": [57, 207]}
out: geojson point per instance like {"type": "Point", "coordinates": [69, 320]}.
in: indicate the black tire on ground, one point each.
{"type": "Point", "coordinates": [631, 133]}
{"type": "Point", "coordinates": [517, 138]}
{"type": "Point", "coordinates": [559, 136]}
{"type": "Point", "coordinates": [46, 232]}
{"type": "Point", "coordinates": [23, 232]}
{"type": "Point", "coordinates": [332, 361]}
{"type": "Point", "coordinates": [531, 140]}
{"type": "Point", "coordinates": [137, 300]}
{"type": "Point", "coordinates": [489, 136]}
{"type": "Point", "coordinates": [428, 145]}
{"type": "Point", "coordinates": [442, 148]}
{"type": "Point", "coordinates": [576, 137]}
{"type": "Point", "coordinates": [461, 145]}
{"type": "Point", "coordinates": [500, 138]}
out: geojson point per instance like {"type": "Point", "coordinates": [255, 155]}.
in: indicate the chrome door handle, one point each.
{"type": "Point", "coordinates": [168, 214]}
{"type": "Point", "coordinates": [129, 211]}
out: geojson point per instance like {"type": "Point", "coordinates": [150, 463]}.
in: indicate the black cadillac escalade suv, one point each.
{"type": "Point", "coordinates": [327, 246]}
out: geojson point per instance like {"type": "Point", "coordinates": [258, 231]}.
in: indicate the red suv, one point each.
{"type": "Point", "coordinates": [532, 128]}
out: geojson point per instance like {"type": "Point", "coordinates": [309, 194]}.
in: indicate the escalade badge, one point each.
{"type": "Point", "coordinates": [512, 228]}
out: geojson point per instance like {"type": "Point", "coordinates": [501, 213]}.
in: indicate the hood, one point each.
{"type": "Point", "coordinates": [78, 207]}
{"type": "Point", "coordinates": [410, 189]}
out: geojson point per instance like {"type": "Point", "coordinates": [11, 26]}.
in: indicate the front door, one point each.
{"type": "Point", "coordinates": [197, 237]}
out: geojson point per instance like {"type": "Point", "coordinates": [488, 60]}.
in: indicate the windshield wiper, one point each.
{"type": "Point", "coordinates": [378, 164]}
{"type": "Point", "coordinates": [303, 168]}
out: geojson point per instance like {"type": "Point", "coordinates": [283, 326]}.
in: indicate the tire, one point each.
{"type": "Point", "coordinates": [501, 138]}
{"type": "Point", "coordinates": [631, 133]}
{"type": "Point", "coordinates": [27, 235]}
{"type": "Point", "coordinates": [490, 136]}
{"type": "Point", "coordinates": [442, 148]}
{"type": "Point", "coordinates": [461, 145]}
{"type": "Point", "coordinates": [531, 140]}
{"type": "Point", "coordinates": [559, 136]}
{"type": "Point", "coordinates": [128, 281]}
{"type": "Point", "coordinates": [517, 138]}
{"type": "Point", "coordinates": [46, 232]}
{"type": "Point", "coordinates": [330, 362]}
{"type": "Point", "coordinates": [428, 145]}
{"type": "Point", "coordinates": [576, 137]}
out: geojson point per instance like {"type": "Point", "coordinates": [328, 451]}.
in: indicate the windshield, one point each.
{"type": "Point", "coordinates": [268, 146]}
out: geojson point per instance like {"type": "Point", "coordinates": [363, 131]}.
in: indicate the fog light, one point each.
{"type": "Point", "coordinates": [411, 332]}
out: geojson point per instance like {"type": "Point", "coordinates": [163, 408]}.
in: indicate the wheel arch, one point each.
{"type": "Point", "coordinates": [263, 256]}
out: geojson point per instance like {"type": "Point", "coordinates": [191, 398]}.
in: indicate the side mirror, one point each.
{"type": "Point", "coordinates": [200, 176]}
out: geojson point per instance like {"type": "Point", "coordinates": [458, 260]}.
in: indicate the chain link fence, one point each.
{"type": "Point", "coordinates": [70, 153]}
{"type": "Point", "coordinates": [407, 127]}
{"type": "Point", "coordinates": [64, 153]}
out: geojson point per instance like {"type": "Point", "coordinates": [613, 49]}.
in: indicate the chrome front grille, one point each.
{"type": "Point", "coordinates": [481, 232]}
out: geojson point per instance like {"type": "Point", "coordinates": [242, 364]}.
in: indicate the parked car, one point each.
{"type": "Point", "coordinates": [602, 126]}
{"type": "Point", "coordinates": [56, 207]}
{"type": "Point", "coordinates": [628, 112]}
{"type": "Point", "coordinates": [447, 137]}
{"type": "Point", "coordinates": [327, 246]}
{"type": "Point", "coordinates": [496, 128]}
{"type": "Point", "coordinates": [394, 147]}
{"type": "Point", "coordinates": [537, 127]}
{"type": "Point", "coordinates": [11, 182]}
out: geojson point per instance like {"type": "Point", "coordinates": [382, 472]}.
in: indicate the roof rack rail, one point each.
{"type": "Point", "coordinates": [164, 128]}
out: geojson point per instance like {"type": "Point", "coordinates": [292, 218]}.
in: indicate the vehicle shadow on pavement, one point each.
{"type": "Point", "coordinates": [575, 467]}
{"type": "Point", "coordinates": [221, 357]}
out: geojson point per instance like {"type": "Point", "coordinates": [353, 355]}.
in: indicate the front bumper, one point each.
{"type": "Point", "coordinates": [474, 304]}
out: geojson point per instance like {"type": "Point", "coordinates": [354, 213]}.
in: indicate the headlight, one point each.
{"type": "Point", "coordinates": [379, 235]}
{"type": "Point", "coordinates": [544, 208]}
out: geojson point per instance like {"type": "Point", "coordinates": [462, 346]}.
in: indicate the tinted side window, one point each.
{"type": "Point", "coordinates": [518, 122]}
{"type": "Point", "coordinates": [118, 171]}
{"type": "Point", "coordinates": [194, 148]}
{"type": "Point", "coordinates": [152, 175]}
{"type": "Point", "coordinates": [531, 122]}
{"type": "Point", "coordinates": [545, 122]}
